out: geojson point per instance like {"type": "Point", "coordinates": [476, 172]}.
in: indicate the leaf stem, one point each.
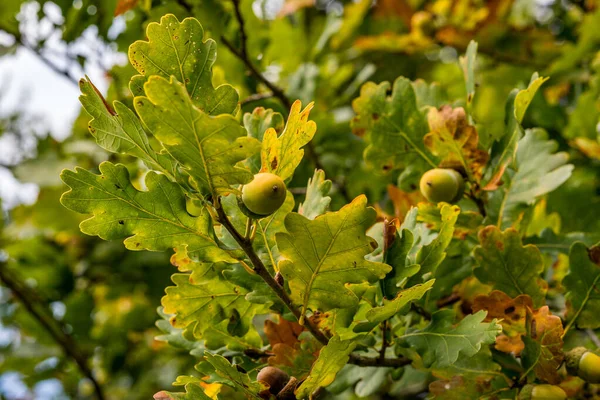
{"type": "Point", "coordinates": [41, 313]}
{"type": "Point", "coordinates": [262, 271]}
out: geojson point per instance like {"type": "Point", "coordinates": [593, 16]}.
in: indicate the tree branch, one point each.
{"type": "Point", "coordinates": [65, 73]}
{"type": "Point", "coordinates": [262, 271]}
{"type": "Point", "coordinates": [55, 328]}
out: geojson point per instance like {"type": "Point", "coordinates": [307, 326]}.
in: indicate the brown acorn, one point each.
{"type": "Point", "coordinates": [274, 377]}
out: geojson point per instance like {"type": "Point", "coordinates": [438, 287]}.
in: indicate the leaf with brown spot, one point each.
{"type": "Point", "coordinates": [455, 141]}
{"type": "Point", "coordinates": [508, 265]}
{"type": "Point", "coordinates": [280, 155]}
{"type": "Point", "coordinates": [512, 315]}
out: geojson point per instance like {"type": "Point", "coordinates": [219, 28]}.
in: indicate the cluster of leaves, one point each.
{"type": "Point", "coordinates": [478, 298]}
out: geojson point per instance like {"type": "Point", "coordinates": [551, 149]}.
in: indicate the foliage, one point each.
{"type": "Point", "coordinates": [356, 286]}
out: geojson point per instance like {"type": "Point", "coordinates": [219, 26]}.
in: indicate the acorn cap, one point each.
{"type": "Point", "coordinates": [572, 358]}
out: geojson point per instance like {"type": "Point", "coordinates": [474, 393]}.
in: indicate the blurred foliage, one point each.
{"type": "Point", "coordinates": [105, 297]}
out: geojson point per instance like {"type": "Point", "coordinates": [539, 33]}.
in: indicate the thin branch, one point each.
{"type": "Point", "coordinates": [384, 342]}
{"type": "Point", "coordinates": [378, 362]}
{"type": "Point", "coordinates": [277, 92]}
{"type": "Point", "coordinates": [262, 271]}
{"type": "Point", "coordinates": [65, 73]}
{"type": "Point", "coordinates": [42, 314]}
{"type": "Point", "coordinates": [243, 35]}
{"type": "Point", "coordinates": [256, 97]}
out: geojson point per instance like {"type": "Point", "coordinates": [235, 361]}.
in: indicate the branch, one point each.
{"type": "Point", "coordinates": [256, 97]}
{"type": "Point", "coordinates": [52, 326]}
{"type": "Point", "coordinates": [261, 270]}
{"type": "Point", "coordinates": [65, 73]}
{"type": "Point", "coordinates": [378, 362]}
{"type": "Point", "coordinates": [277, 91]}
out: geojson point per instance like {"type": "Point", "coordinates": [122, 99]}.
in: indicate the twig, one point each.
{"type": "Point", "coordinates": [262, 271]}
{"type": "Point", "coordinates": [46, 61]}
{"type": "Point", "coordinates": [276, 91]}
{"type": "Point", "coordinates": [378, 362]}
{"type": "Point", "coordinates": [256, 97]}
{"type": "Point", "coordinates": [384, 342]}
{"type": "Point", "coordinates": [51, 325]}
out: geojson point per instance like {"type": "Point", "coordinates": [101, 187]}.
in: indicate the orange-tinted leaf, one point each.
{"type": "Point", "coordinates": [283, 338]}
{"type": "Point", "coordinates": [512, 315]}
{"type": "Point", "coordinates": [124, 6]}
{"type": "Point", "coordinates": [547, 331]}
{"type": "Point", "coordinates": [454, 140]}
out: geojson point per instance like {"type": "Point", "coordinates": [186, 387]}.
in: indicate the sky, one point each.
{"type": "Point", "coordinates": [29, 85]}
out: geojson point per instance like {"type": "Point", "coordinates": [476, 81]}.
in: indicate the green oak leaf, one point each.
{"type": "Point", "coordinates": [174, 336]}
{"type": "Point", "coordinates": [207, 147]}
{"type": "Point", "coordinates": [234, 378]}
{"type": "Point", "coordinates": [504, 151]}
{"type": "Point", "coordinates": [321, 256]}
{"type": "Point", "coordinates": [393, 307]}
{"type": "Point", "coordinates": [332, 358]}
{"type": "Point", "coordinates": [266, 228]}
{"type": "Point", "coordinates": [431, 255]}
{"type": "Point", "coordinates": [393, 126]}
{"type": "Point", "coordinates": [201, 306]}
{"type": "Point", "coordinates": [441, 343]}
{"type": "Point", "coordinates": [280, 155]}
{"type": "Point", "coordinates": [120, 130]}
{"type": "Point", "coordinates": [257, 123]}
{"type": "Point", "coordinates": [154, 220]}
{"type": "Point", "coordinates": [316, 202]}
{"type": "Point", "coordinates": [539, 170]}
{"type": "Point", "coordinates": [509, 266]}
{"type": "Point", "coordinates": [397, 257]}
{"type": "Point", "coordinates": [178, 49]}
{"type": "Point", "coordinates": [583, 299]}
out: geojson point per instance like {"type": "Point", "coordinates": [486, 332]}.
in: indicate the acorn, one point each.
{"type": "Point", "coordinates": [542, 392]}
{"type": "Point", "coordinates": [583, 363]}
{"type": "Point", "coordinates": [274, 377]}
{"type": "Point", "coordinates": [264, 195]}
{"type": "Point", "coordinates": [442, 184]}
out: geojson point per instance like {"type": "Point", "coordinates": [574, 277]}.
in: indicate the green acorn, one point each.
{"type": "Point", "coordinates": [442, 184]}
{"type": "Point", "coordinates": [264, 195]}
{"type": "Point", "coordinates": [542, 392]}
{"type": "Point", "coordinates": [583, 363]}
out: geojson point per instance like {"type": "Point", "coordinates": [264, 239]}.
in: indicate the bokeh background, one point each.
{"type": "Point", "coordinates": [61, 285]}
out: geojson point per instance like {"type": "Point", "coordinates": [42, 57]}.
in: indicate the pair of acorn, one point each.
{"type": "Point", "coordinates": [580, 362]}
{"type": "Point", "coordinates": [266, 193]}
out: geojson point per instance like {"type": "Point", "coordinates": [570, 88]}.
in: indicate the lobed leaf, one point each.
{"type": "Point", "coordinates": [539, 170]}
{"type": "Point", "coordinates": [154, 220]}
{"type": "Point", "coordinates": [201, 307]}
{"type": "Point", "coordinates": [543, 352]}
{"type": "Point", "coordinates": [321, 256]}
{"type": "Point", "coordinates": [583, 299]}
{"type": "Point", "coordinates": [508, 265]}
{"type": "Point", "coordinates": [281, 154]}
{"type": "Point", "coordinates": [316, 202]}
{"type": "Point", "coordinates": [441, 343]}
{"type": "Point", "coordinates": [331, 360]}
{"type": "Point", "coordinates": [504, 151]}
{"type": "Point", "coordinates": [120, 130]}
{"type": "Point", "coordinates": [393, 126]}
{"type": "Point", "coordinates": [392, 307]}
{"type": "Point", "coordinates": [178, 49]}
{"type": "Point", "coordinates": [452, 139]}
{"type": "Point", "coordinates": [207, 147]}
